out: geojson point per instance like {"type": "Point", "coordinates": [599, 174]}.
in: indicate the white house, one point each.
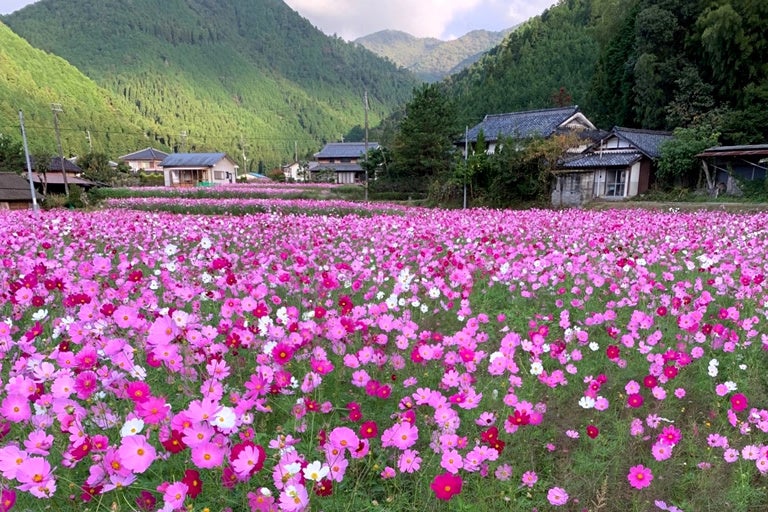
{"type": "Point", "coordinates": [192, 169]}
{"type": "Point", "coordinates": [146, 160]}
{"type": "Point", "coordinates": [619, 166]}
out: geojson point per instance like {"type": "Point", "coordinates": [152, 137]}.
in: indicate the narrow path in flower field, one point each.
{"type": "Point", "coordinates": [395, 360]}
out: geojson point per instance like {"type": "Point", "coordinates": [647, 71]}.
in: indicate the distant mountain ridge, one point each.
{"type": "Point", "coordinates": [429, 58]}
{"type": "Point", "coordinates": [249, 77]}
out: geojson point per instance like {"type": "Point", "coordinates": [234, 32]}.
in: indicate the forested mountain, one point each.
{"type": "Point", "coordinates": [242, 76]}
{"type": "Point", "coordinates": [656, 64]}
{"type": "Point", "coordinates": [31, 80]}
{"type": "Point", "coordinates": [428, 58]}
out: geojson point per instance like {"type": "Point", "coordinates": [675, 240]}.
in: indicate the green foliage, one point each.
{"type": "Point", "coordinates": [249, 73]}
{"type": "Point", "coordinates": [678, 162]}
{"type": "Point", "coordinates": [96, 167]}
{"type": "Point", "coordinates": [539, 57]}
{"type": "Point", "coordinates": [11, 155]}
{"type": "Point", "coordinates": [424, 145]}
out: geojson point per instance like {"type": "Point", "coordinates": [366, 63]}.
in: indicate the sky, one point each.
{"type": "Point", "coordinates": [442, 19]}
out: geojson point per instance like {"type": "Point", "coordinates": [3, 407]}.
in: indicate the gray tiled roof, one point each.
{"type": "Point", "coordinates": [145, 154]}
{"type": "Point", "coordinates": [14, 188]}
{"type": "Point", "coordinates": [606, 159]}
{"type": "Point", "coordinates": [521, 125]}
{"type": "Point", "coordinates": [345, 149]}
{"type": "Point", "coordinates": [647, 141]}
{"type": "Point", "coordinates": [192, 159]}
{"type": "Point", "coordinates": [55, 165]}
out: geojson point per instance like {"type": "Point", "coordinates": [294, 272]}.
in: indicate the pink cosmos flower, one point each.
{"type": "Point", "coordinates": [451, 461]}
{"type": "Point", "coordinates": [207, 455]}
{"type": "Point", "coordinates": [529, 478]}
{"type": "Point", "coordinates": [409, 461]}
{"type": "Point", "coordinates": [639, 476]}
{"type": "Point", "coordinates": [174, 495]}
{"type": "Point", "coordinates": [35, 476]}
{"type": "Point", "coordinates": [136, 454]}
{"type": "Point", "coordinates": [11, 459]}
{"type": "Point", "coordinates": [557, 496]}
{"type": "Point", "coordinates": [343, 437]}
{"type": "Point", "coordinates": [15, 408]}
{"type": "Point", "coordinates": [661, 450]}
{"type": "Point", "coordinates": [294, 498]}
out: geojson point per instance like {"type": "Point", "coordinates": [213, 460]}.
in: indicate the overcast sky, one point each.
{"type": "Point", "coordinates": [443, 19]}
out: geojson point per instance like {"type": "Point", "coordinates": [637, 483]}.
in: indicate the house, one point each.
{"type": "Point", "coordinates": [725, 166]}
{"type": "Point", "coordinates": [52, 180]}
{"type": "Point", "coordinates": [619, 166]}
{"type": "Point", "coordinates": [192, 169]}
{"type": "Point", "coordinates": [145, 160]}
{"type": "Point", "coordinates": [294, 172]}
{"type": "Point", "coordinates": [14, 192]}
{"type": "Point", "coordinates": [528, 124]}
{"type": "Point", "coordinates": [343, 160]}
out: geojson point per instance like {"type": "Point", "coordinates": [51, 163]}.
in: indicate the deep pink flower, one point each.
{"type": "Point", "coordinates": [739, 402]}
{"type": "Point", "coordinates": [446, 486]}
{"type": "Point", "coordinates": [639, 476]}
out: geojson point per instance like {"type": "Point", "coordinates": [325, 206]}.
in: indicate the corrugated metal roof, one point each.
{"type": "Point", "coordinates": [744, 150]}
{"type": "Point", "coordinates": [647, 141]}
{"type": "Point", "coordinates": [145, 154]}
{"type": "Point", "coordinates": [345, 149]}
{"type": "Point", "coordinates": [606, 159]}
{"type": "Point", "coordinates": [192, 159]}
{"type": "Point", "coordinates": [521, 125]}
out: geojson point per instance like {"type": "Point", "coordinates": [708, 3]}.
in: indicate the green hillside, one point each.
{"type": "Point", "coordinates": [655, 64]}
{"type": "Point", "coordinates": [31, 80]}
{"type": "Point", "coordinates": [428, 58]}
{"type": "Point", "coordinates": [242, 76]}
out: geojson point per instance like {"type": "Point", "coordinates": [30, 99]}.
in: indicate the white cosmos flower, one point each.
{"type": "Point", "coordinates": [316, 471]}
{"type": "Point", "coordinates": [536, 368]}
{"type": "Point", "coordinates": [40, 315]}
{"type": "Point", "coordinates": [225, 418]}
{"type": "Point", "coordinates": [171, 249]}
{"type": "Point", "coordinates": [587, 402]}
{"type": "Point", "coordinates": [132, 427]}
{"type": "Point", "coordinates": [206, 243]}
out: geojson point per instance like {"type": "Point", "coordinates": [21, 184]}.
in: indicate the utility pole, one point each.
{"type": "Point", "coordinates": [29, 165]}
{"type": "Point", "coordinates": [56, 108]}
{"type": "Point", "coordinates": [90, 142]}
{"type": "Point", "coordinates": [466, 166]}
{"type": "Point", "coordinates": [366, 144]}
{"type": "Point", "coordinates": [183, 136]}
{"type": "Point", "coordinates": [245, 158]}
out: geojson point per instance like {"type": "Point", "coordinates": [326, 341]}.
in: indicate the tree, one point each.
{"type": "Point", "coordinates": [96, 167]}
{"type": "Point", "coordinates": [678, 163]}
{"type": "Point", "coordinates": [11, 155]}
{"type": "Point", "coordinates": [424, 146]}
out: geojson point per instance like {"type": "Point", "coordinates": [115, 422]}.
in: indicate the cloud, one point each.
{"type": "Point", "coordinates": [351, 19]}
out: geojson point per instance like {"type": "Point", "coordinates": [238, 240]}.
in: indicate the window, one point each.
{"type": "Point", "coordinates": [615, 182]}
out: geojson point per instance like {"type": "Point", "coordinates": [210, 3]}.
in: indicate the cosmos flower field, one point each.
{"type": "Point", "coordinates": [403, 359]}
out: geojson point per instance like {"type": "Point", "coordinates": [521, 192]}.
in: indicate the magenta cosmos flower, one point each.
{"type": "Point", "coordinates": [639, 476]}
{"type": "Point", "coordinates": [446, 486]}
